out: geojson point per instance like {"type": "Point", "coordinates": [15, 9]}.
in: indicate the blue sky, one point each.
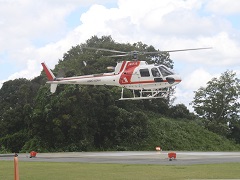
{"type": "Point", "coordinates": [34, 31]}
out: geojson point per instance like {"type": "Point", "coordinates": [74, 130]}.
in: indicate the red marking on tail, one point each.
{"type": "Point", "coordinates": [48, 72]}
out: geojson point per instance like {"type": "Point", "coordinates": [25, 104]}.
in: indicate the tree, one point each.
{"type": "Point", "coordinates": [218, 103]}
{"type": "Point", "coordinates": [16, 101]}
{"type": "Point", "coordinates": [180, 111]}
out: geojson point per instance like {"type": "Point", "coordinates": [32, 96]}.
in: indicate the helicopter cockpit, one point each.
{"type": "Point", "coordinates": [161, 70]}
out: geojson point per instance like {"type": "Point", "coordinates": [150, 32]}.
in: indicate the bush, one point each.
{"type": "Point", "coordinates": [34, 144]}
{"type": "Point", "coordinates": [14, 142]}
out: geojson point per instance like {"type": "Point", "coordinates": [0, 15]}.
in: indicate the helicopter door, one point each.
{"type": "Point", "coordinates": [144, 75]}
{"type": "Point", "coordinates": [156, 75]}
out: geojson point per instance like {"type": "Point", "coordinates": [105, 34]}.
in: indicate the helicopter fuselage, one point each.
{"type": "Point", "coordinates": [136, 75]}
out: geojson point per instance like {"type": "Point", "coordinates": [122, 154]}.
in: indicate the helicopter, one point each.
{"type": "Point", "coordinates": [147, 81]}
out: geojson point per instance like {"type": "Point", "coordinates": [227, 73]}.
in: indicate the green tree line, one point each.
{"type": "Point", "coordinates": [89, 118]}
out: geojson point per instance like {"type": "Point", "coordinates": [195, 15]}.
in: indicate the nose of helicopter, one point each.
{"type": "Point", "coordinates": [174, 79]}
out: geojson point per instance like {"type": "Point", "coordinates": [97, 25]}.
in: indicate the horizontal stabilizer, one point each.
{"type": "Point", "coordinates": [53, 88]}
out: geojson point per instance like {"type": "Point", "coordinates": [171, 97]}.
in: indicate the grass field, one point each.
{"type": "Point", "coordinates": [85, 171]}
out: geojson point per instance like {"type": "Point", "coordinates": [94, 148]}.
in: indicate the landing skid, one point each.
{"type": "Point", "coordinates": [146, 94]}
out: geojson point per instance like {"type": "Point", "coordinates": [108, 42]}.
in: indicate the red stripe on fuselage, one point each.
{"type": "Point", "coordinates": [122, 67]}
{"type": "Point", "coordinates": [126, 76]}
{"type": "Point", "coordinates": [148, 82]}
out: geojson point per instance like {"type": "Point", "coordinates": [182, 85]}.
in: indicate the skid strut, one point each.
{"type": "Point", "coordinates": [146, 94]}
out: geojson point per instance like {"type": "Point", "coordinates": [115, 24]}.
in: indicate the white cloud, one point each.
{"type": "Point", "coordinates": [30, 72]}
{"type": "Point", "coordinates": [224, 6]}
{"type": "Point", "coordinates": [224, 52]}
{"type": "Point", "coordinates": [196, 79]}
{"type": "Point", "coordinates": [24, 21]}
{"type": "Point", "coordinates": [25, 24]}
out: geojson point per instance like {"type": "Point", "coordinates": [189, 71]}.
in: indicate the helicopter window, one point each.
{"type": "Point", "coordinates": [155, 72]}
{"type": "Point", "coordinates": [144, 73]}
{"type": "Point", "coordinates": [165, 71]}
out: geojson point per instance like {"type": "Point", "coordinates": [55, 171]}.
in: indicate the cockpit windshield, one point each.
{"type": "Point", "coordinates": [165, 71]}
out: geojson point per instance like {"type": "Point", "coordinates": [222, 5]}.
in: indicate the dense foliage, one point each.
{"type": "Point", "coordinates": [89, 118]}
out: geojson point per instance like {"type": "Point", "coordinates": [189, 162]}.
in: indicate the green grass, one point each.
{"type": "Point", "coordinates": [85, 171]}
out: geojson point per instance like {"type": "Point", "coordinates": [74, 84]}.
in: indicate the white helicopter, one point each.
{"type": "Point", "coordinates": [150, 80]}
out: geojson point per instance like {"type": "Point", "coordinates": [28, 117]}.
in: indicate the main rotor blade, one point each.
{"type": "Point", "coordinates": [156, 52]}
{"type": "Point", "coordinates": [102, 49]}
{"type": "Point", "coordinates": [187, 49]}
{"type": "Point", "coordinates": [119, 55]}
{"type": "Point", "coordinates": [135, 53]}
{"type": "Point", "coordinates": [160, 52]}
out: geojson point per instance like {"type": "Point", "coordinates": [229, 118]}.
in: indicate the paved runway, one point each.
{"type": "Point", "coordinates": [133, 157]}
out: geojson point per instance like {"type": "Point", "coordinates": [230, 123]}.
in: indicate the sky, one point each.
{"type": "Point", "coordinates": [33, 31]}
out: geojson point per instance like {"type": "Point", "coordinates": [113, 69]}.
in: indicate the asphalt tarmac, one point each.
{"type": "Point", "coordinates": [131, 157]}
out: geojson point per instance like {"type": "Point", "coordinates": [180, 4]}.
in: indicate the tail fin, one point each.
{"type": "Point", "coordinates": [50, 77]}
{"type": "Point", "coordinates": [48, 72]}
